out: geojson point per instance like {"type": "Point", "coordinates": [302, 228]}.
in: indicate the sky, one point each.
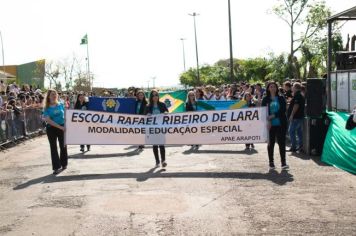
{"type": "Point", "coordinates": [131, 42]}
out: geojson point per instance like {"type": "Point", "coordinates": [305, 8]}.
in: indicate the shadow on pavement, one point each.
{"type": "Point", "coordinates": [131, 147]}
{"type": "Point", "coordinates": [43, 179]}
{"type": "Point", "coordinates": [273, 176]}
{"type": "Point", "coordinates": [305, 157]}
{"type": "Point", "coordinates": [87, 156]}
{"type": "Point", "coordinates": [197, 151]}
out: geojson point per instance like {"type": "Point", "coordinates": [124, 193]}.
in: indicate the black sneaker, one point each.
{"type": "Point", "coordinates": [56, 172]}
{"type": "Point", "coordinates": [157, 165]}
{"type": "Point", "coordinates": [164, 164]}
{"type": "Point", "coordinates": [82, 149]}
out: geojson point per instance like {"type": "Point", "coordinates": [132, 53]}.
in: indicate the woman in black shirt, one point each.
{"type": "Point", "coordinates": [191, 105]}
{"type": "Point", "coordinates": [140, 107]}
{"type": "Point", "coordinates": [81, 104]}
{"type": "Point", "coordinates": [249, 103]}
{"type": "Point", "coordinates": [277, 123]}
{"type": "Point", "coordinates": [156, 107]}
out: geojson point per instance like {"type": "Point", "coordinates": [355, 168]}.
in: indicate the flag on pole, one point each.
{"type": "Point", "coordinates": [84, 40]}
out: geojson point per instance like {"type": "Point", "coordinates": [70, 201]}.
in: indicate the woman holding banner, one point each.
{"type": "Point", "coordinates": [140, 107]}
{"type": "Point", "coordinates": [277, 123]}
{"type": "Point", "coordinates": [191, 105]}
{"type": "Point", "coordinates": [249, 103]}
{"type": "Point", "coordinates": [81, 104]}
{"type": "Point", "coordinates": [53, 114]}
{"type": "Point", "coordinates": [156, 107]}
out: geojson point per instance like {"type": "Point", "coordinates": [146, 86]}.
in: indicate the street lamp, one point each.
{"type": "Point", "coordinates": [230, 38]}
{"type": "Point", "coordinates": [196, 46]}
{"type": "Point", "coordinates": [153, 79]}
{"type": "Point", "coordinates": [3, 56]}
{"type": "Point", "coordinates": [182, 39]}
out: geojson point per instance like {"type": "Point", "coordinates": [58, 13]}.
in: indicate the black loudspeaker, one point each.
{"type": "Point", "coordinates": [345, 60]}
{"type": "Point", "coordinates": [316, 97]}
{"type": "Point", "coordinates": [314, 134]}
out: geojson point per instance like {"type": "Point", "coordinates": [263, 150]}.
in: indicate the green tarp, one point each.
{"type": "Point", "coordinates": [340, 144]}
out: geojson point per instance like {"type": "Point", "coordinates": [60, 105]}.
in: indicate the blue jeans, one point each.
{"type": "Point", "coordinates": [296, 129]}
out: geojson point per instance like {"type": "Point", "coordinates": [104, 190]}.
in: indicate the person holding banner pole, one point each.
{"type": "Point", "coordinates": [81, 104]}
{"type": "Point", "coordinates": [53, 114]}
{"type": "Point", "coordinates": [277, 123]}
{"type": "Point", "coordinates": [249, 103]}
{"type": "Point", "coordinates": [156, 107]}
{"type": "Point", "coordinates": [140, 107]}
{"type": "Point", "coordinates": [191, 105]}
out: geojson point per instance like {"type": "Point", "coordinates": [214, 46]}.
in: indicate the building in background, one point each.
{"type": "Point", "coordinates": [32, 73]}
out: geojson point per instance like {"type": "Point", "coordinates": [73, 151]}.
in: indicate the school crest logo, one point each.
{"type": "Point", "coordinates": [110, 105]}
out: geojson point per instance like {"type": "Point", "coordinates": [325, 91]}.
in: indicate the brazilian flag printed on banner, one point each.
{"type": "Point", "coordinates": [175, 101]}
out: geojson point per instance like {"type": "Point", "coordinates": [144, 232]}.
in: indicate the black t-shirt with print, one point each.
{"type": "Point", "coordinates": [300, 100]}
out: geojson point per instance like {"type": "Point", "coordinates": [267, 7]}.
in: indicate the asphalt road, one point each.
{"type": "Point", "coordinates": [217, 190]}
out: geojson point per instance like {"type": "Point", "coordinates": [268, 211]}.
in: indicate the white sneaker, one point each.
{"type": "Point", "coordinates": [285, 167]}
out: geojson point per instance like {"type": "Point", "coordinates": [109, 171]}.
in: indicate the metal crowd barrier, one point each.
{"type": "Point", "coordinates": [14, 127]}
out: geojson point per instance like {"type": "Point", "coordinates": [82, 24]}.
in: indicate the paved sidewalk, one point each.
{"type": "Point", "coordinates": [217, 190]}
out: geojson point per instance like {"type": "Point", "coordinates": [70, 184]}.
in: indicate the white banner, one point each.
{"type": "Point", "coordinates": [247, 125]}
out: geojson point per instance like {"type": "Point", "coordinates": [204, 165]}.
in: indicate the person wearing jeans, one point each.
{"type": "Point", "coordinates": [277, 124]}
{"type": "Point", "coordinates": [296, 116]}
{"type": "Point", "coordinates": [53, 114]}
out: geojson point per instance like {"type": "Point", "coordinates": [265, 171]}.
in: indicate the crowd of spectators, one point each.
{"type": "Point", "coordinates": [16, 98]}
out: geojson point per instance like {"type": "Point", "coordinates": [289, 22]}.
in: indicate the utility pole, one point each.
{"type": "Point", "coordinates": [182, 39]}
{"type": "Point", "coordinates": [230, 38]}
{"type": "Point", "coordinates": [154, 79]}
{"type": "Point", "coordinates": [3, 56]}
{"type": "Point", "coordinates": [196, 46]}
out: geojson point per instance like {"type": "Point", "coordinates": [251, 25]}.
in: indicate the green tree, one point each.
{"type": "Point", "coordinates": [309, 17]}
{"type": "Point", "coordinates": [253, 69]}
{"type": "Point", "coordinates": [314, 54]}
{"type": "Point", "coordinates": [278, 68]}
{"type": "Point", "coordinates": [189, 77]}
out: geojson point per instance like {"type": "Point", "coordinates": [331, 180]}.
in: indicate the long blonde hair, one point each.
{"type": "Point", "coordinates": [188, 95]}
{"type": "Point", "coordinates": [47, 100]}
